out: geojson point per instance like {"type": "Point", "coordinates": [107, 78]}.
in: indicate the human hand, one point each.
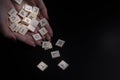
{"type": "Point", "coordinates": [16, 36]}
{"type": "Point", "coordinates": [44, 13]}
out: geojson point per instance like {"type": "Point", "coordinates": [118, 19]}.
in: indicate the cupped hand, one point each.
{"type": "Point", "coordinates": [5, 6]}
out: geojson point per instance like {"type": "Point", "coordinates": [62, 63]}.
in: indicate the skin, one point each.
{"type": "Point", "coordinates": [6, 5]}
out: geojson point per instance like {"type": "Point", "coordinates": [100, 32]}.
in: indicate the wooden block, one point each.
{"type": "Point", "coordinates": [34, 22]}
{"type": "Point", "coordinates": [37, 37]}
{"type": "Point", "coordinates": [13, 18]}
{"type": "Point", "coordinates": [47, 45]}
{"type": "Point", "coordinates": [27, 8]}
{"type": "Point", "coordinates": [12, 11]}
{"type": "Point", "coordinates": [31, 28]}
{"type": "Point", "coordinates": [55, 54]}
{"type": "Point", "coordinates": [26, 21]}
{"type": "Point", "coordinates": [32, 16]}
{"type": "Point", "coordinates": [19, 1]}
{"type": "Point", "coordinates": [13, 27]}
{"type": "Point", "coordinates": [17, 28]}
{"type": "Point", "coordinates": [18, 19]}
{"type": "Point", "coordinates": [63, 65]}
{"type": "Point", "coordinates": [23, 30]}
{"type": "Point", "coordinates": [43, 31]}
{"type": "Point", "coordinates": [60, 43]}
{"type": "Point", "coordinates": [42, 66]}
{"type": "Point", "coordinates": [23, 13]}
{"type": "Point", "coordinates": [43, 22]}
{"type": "Point", "coordinates": [35, 10]}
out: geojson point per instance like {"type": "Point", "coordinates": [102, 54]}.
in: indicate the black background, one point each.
{"type": "Point", "coordinates": [92, 34]}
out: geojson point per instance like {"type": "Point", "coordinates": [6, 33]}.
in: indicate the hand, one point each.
{"type": "Point", "coordinates": [5, 6]}
{"type": "Point", "coordinates": [13, 35]}
{"type": "Point", "coordinates": [44, 13]}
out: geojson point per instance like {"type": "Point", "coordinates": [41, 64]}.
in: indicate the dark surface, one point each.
{"type": "Point", "coordinates": [92, 49]}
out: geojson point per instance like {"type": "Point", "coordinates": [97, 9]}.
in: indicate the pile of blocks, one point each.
{"type": "Point", "coordinates": [26, 20]}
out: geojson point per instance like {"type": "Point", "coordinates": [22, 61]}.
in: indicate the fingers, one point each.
{"type": "Point", "coordinates": [26, 39]}
{"type": "Point", "coordinates": [39, 43]}
{"type": "Point", "coordinates": [44, 13]}
{"type": "Point", "coordinates": [42, 7]}
{"type": "Point", "coordinates": [36, 42]}
{"type": "Point", "coordinates": [48, 37]}
{"type": "Point", "coordinates": [50, 31]}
